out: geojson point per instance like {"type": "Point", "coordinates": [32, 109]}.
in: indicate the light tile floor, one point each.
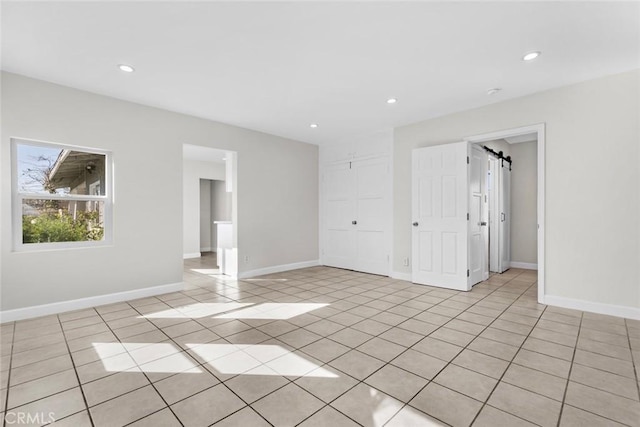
{"type": "Point", "coordinates": [323, 347]}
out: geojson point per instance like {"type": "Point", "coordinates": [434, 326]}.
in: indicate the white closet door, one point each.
{"type": "Point", "coordinates": [439, 210]}
{"type": "Point", "coordinates": [478, 215]}
{"type": "Point", "coordinates": [372, 215]}
{"type": "Point", "coordinates": [495, 219]}
{"type": "Point", "coordinates": [505, 217]}
{"type": "Point", "coordinates": [339, 212]}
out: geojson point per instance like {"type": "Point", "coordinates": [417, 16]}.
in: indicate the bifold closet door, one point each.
{"type": "Point", "coordinates": [356, 215]}
{"type": "Point", "coordinates": [440, 195]}
{"type": "Point", "coordinates": [478, 215]}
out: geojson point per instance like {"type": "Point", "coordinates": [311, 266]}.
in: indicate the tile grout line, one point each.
{"type": "Point", "coordinates": [75, 371]}
{"type": "Point", "coordinates": [573, 357]}
{"type": "Point", "coordinates": [6, 403]}
{"type": "Point", "coordinates": [633, 359]}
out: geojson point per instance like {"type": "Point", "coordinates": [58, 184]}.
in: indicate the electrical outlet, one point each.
{"type": "Point", "coordinates": [405, 262]}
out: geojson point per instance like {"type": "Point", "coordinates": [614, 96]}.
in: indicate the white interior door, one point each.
{"type": "Point", "coordinates": [505, 217]}
{"type": "Point", "coordinates": [372, 213]}
{"type": "Point", "coordinates": [478, 215]}
{"type": "Point", "coordinates": [339, 211]}
{"type": "Point", "coordinates": [439, 210]}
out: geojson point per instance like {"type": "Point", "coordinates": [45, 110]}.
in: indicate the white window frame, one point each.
{"type": "Point", "coordinates": [18, 197]}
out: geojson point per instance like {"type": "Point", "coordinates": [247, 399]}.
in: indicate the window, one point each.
{"type": "Point", "coordinates": [61, 196]}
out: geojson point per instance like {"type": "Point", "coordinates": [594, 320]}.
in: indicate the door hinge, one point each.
{"type": "Point", "coordinates": [467, 273]}
{"type": "Point", "coordinates": [467, 159]}
{"type": "Point", "coordinates": [467, 216]}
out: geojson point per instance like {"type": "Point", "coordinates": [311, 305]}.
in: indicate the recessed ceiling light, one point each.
{"type": "Point", "coordinates": [126, 68]}
{"type": "Point", "coordinates": [493, 91]}
{"type": "Point", "coordinates": [531, 56]}
{"type": "Point", "coordinates": [392, 101]}
{"type": "Point", "coordinates": [313, 125]}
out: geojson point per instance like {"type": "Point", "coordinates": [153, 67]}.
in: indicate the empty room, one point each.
{"type": "Point", "coordinates": [308, 213]}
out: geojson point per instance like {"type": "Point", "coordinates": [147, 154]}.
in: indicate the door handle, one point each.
{"type": "Point", "coordinates": [354, 222]}
{"type": "Point", "coordinates": [415, 224]}
{"type": "Point", "coordinates": [483, 223]}
{"type": "Point", "coordinates": [503, 217]}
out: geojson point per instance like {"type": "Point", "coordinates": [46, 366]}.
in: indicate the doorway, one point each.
{"type": "Point", "coordinates": [210, 210]}
{"type": "Point", "coordinates": [526, 147]}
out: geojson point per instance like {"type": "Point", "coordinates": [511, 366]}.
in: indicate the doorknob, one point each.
{"type": "Point", "coordinates": [415, 224]}
{"type": "Point", "coordinates": [354, 222]}
{"type": "Point", "coordinates": [483, 223]}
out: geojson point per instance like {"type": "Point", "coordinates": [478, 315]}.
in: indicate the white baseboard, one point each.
{"type": "Point", "coordinates": [206, 250]}
{"type": "Point", "coordinates": [593, 307]}
{"type": "Point", "coordinates": [78, 304]}
{"type": "Point", "coordinates": [525, 265]}
{"type": "Point", "coordinates": [277, 269]}
{"type": "Point", "coordinates": [191, 255]}
{"type": "Point", "coordinates": [401, 276]}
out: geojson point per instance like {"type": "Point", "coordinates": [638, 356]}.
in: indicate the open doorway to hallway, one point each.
{"type": "Point", "coordinates": [209, 210]}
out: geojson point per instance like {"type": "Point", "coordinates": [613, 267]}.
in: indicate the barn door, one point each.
{"type": "Point", "coordinates": [439, 216]}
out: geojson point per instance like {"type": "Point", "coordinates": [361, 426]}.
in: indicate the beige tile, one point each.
{"type": "Point", "coordinates": [492, 417]}
{"type": "Point", "coordinates": [549, 348]}
{"type": "Point", "coordinates": [446, 405]}
{"type": "Point", "coordinates": [299, 338]}
{"type": "Point", "coordinates": [253, 387]}
{"type": "Point", "coordinates": [287, 406]}
{"type": "Point", "coordinates": [324, 387]}
{"type": "Point", "coordinates": [612, 383]}
{"type": "Point", "coordinates": [42, 387]}
{"type": "Point", "coordinates": [542, 362]}
{"type": "Point", "coordinates": [467, 382]}
{"type": "Point", "coordinates": [409, 416]}
{"type": "Point", "coordinates": [401, 336]}
{"type": "Point", "coordinates": [418, 326]}
{"type": "Point", "coordinates": [367, 406]}
{"type": "Point", "coordinates": [503, 336]}
{"type": "Point", "coordinates": [40, 369]}
{"type": "Point", "coordinates": [452, 336]}
{"type": "Point", "coordinates": [81, 419]}
{"type": "Point", "coordinates": [481, 363]}
{"type": "Point", "coordinates": [85, 331]}
{"type": "Point", "coordinates": [396, 382]}
{"type": "Point", "coordinates": [127, 408]}
{"type": "Point", "coordinates": [327, 416]}
{"type": "Point", "coordinates": [437, 348]}
{"type": "Point", "coordinates": [38, 354]}
{"type": "Point", "coordinates": [325, 350]}
{"type": "Point", "coordinates": [623, 353]}
{"type": "Point", "coordinates": [605, 363]}
{"type": "Point", "coordinates": [89, 341]}
{"type": "Point", "coordinates": [104, 367]}
{"type": "Point", "coordinates": [605, 404]}
{"type": "Point", "coordinates": [525, 404]}
{"type": "Point", "coordinates": [371, 327]}
{"type": "Point", "coordinates": [574, 417]}
{"type": "Point", "coordinates": [198, 410]}
{"type": "Point", "coordinates": [163, 418]}
{"type": "Point", "coordinates": [112, 386]}
{"type": "Point", "coordinates": [357, 364]}
{"type": "Point", "coordinates": [58, 405]}
{"type": "Point", "coordinates": [350, 337]}
{"type": "Point", "coordinates": [37, 342]}
{"type": "Point", "coordinates": [554, 337]}
{"type": "Point", "coordinates": [244, 417]}
{"type": "Point", "coordinates": [419, 363]}
{"type": "Point", "coordinates": [493, 348]}
{"type": "Point", "coordinates": [536, 381]}
{"type": "Point", "coordinates": [381, 349]}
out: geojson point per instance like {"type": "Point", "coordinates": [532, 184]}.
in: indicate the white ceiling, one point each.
{"type": "Point", "coordinates": [279, 66]}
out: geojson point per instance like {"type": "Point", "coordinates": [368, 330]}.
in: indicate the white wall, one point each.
{"type": "Point", "coordinates": [592, 182]}
{"type": "Point", "coordinates": [192, 172]}
{"type": "Point", "coordinates": [277, 193]}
